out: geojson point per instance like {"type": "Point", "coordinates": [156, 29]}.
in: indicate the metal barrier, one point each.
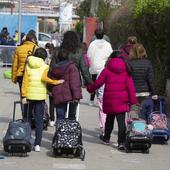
{"type": "Point", "coordinates": [6, 54]}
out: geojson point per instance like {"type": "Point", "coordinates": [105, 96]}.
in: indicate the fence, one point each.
{"type": "Point", "coordinates": [6, 54]}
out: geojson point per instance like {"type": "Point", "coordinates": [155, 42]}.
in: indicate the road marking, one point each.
{"type": "Point", "coordinates": [69, 166]}
{"type": "Point", "coordinates": [7, 163]}
{"type": "Point", "coordinates": [132, 160]}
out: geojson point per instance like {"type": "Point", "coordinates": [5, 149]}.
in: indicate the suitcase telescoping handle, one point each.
{"type": "Point", "coordinates": [77, 111]}
{"type": "Point", "coordinates": [19, 102]}
{"type": "Point", "coordinates": [155, 102]}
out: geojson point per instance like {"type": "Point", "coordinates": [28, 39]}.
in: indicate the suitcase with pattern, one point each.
{"type": "Point", "coordinates": [67, 140]}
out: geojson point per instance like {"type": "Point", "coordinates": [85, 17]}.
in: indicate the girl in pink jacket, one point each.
{"type": "Point", "coordinates": [119, 95]}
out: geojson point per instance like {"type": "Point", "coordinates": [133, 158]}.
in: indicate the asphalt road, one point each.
{"type": "Point", "coordinates": [98, 156]}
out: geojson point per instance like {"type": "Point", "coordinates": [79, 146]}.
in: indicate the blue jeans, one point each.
{"type": "Point", "coordinates": [51, 108]}
{"type": "Point", "coordinates": [37, 106]}
{"type": "Point", "coordinates": [61, 110]}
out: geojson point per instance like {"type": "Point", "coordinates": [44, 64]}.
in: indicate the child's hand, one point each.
{"type": "Point", "coordinates": [24, 100]}
{"type": "Point", "coordinates": [62, 81]}
{"type": "Point", "coordinates": [155, 97]}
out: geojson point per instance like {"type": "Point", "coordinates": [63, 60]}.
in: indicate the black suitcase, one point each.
{"type": "Point", "coordinates": [67, 140]}
{"type": "Point", "coordinates": [17, 139]}
{"type": "Point", "coordinates": [137, 140]}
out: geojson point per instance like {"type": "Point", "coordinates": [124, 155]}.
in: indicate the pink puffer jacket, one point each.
{"type": "Point", "coordinates": [119, 92]}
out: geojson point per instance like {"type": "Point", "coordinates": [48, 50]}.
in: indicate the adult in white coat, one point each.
{"type": "Point", "coordinates": [98, 52]}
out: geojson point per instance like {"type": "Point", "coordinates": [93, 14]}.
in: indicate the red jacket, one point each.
{"type": "Point", "coordinates": [71, 89]}
{"type": "Point", "coordinates": [119, 92]}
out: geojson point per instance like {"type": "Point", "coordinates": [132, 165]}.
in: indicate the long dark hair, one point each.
{"type": "Point", "coordinates": [71, 41]}
{"type": "Point", "coordinates": [62, 54]}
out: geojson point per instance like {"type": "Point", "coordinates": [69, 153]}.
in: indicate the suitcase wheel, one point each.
{"type": "Point", "coordinates": [146, 151]}
{"type": "Point", "coordinates": [23, 147]}
{"type": "Point", "coordinates": [82, 154]}
{"type": "Point", "coordinates": [127, 150]}
{"type": "Point", "coordinates": [9, 147]}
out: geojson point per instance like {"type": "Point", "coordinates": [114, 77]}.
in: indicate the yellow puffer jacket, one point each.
{"type": "Point", "coordinates": [35, 89]}
{"type": "Point", "coordinates": [19, 59]}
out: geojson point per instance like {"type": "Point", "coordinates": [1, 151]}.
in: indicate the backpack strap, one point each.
{"type": "Point", "coordinates": [29, 53]}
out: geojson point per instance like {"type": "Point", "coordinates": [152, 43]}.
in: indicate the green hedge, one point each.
{"type": "Point", "coordinates": [152, 24]}
{"type": "Point", "coordinates": [149, 20]}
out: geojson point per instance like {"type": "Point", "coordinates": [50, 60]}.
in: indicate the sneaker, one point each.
{"type": "Point", "coordinates": [106, 142]}
{"type": "Point", "coordinates": [37, 148]}
{"type": "Point", "coordinates": [52, 123]}
{"type": "Point", "coordinates": [91, 103]}
{"type": "Point", "coordinates": [102, 130]}
{"type": "Point", "coordinates": [121, 147]}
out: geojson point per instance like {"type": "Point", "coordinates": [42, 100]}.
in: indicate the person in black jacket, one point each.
{"type": "Point", "coordinates": [142, 73]}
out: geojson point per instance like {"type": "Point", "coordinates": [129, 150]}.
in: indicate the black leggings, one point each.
{"type": "Point", "coordinates": [94, 76]}
{"type": "Point", "coordinates": [121, 126]}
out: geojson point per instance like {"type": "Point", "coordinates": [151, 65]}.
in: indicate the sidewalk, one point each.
{"type": "Point", "coordinates": [98, 156]}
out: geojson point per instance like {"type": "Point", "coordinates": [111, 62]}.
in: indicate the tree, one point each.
{"type": "Point", "coordinates": [152, 24]}
{"type": "Point", "coordinates": [94, 7]}
{"type": "Point", "coordinates": [103, 8]}
{"type": "Point", "coordinates": [84, 9]}
{"type": "Point", "coordinates": [6, 5]}
{"type": "Point", "coordinates": [119, 25]}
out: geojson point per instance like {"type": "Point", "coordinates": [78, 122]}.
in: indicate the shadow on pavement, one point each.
{"type": "Point", "coordinates": [12, 92]}
{"type": "Point", "coordinates": [4, 119]}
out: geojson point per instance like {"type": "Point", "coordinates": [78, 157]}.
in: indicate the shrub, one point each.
{"type": "Point", "coordinates": [152, 24]}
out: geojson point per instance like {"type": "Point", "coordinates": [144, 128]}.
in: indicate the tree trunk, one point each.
{"type": "Point", "coordinates": [94, 7]}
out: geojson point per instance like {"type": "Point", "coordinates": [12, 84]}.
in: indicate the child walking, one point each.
{"type": "Point", "coordinates": [70, 90]}
{"type": "Point", "coordinates": [34, 90]}
{"type": "Point", "coordinates": [119, 96]}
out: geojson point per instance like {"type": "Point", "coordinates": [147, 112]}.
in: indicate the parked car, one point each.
{"type": "Point", "coordinates": [44, 38]}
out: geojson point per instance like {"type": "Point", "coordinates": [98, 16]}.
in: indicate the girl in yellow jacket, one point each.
{"type": "Point", "coordinates": [34, 90]}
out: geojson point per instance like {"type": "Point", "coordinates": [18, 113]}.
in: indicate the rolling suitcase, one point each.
{"type": "Point", "coordinates": [158, 119]}
{"type": "Point", "coordinates": [67, 140]}
{"type": "Point", "coordinates": [17, 139]}
{"type": "Point", "coordinates": [138, 137]}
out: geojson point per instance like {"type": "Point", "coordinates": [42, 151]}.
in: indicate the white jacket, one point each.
{"type": "Point", "coordinates": [98, 53]}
